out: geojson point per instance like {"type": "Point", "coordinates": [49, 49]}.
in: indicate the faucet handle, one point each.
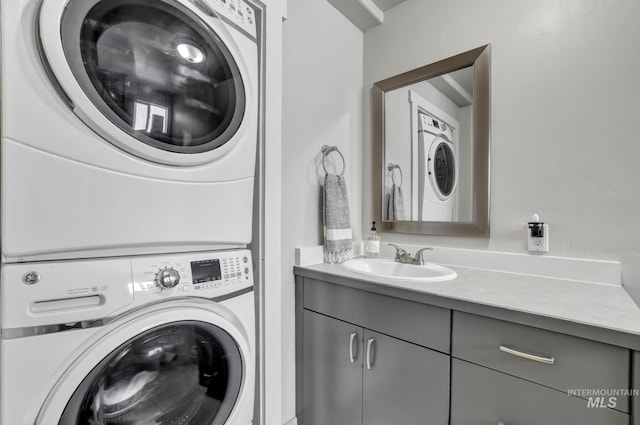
{"type": "Point", "coordinates": [418, 258]}
{"type": "Point", "coordinates": [400, 252]}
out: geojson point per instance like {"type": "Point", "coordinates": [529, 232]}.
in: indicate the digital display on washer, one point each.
{"type": "Point", "coordinates": [205, 271]}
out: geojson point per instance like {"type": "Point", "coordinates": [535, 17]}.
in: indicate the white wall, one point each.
{"type": "Point", "coordinates": [322, 104]}
{"type": "Point", "coordinates": [564, 136]}
{"type": "Point", "coordinates": [270, 303]}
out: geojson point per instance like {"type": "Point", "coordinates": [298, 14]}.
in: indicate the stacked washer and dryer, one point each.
{"type": "Point", "coordinates": [129, 135]}
{"type": "Point", "coordinates": [437, 169]}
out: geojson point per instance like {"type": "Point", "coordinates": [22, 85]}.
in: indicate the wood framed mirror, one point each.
{"type": "Point", "coordinates": [431, 146]}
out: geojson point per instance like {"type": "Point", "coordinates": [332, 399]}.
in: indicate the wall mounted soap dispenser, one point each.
{"type": "Point", "coordinates": [537, 235]}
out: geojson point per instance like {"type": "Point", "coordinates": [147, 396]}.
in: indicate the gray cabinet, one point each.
{"type": "Point", "coordinates": [351, 374]}
{"type": "Point", "coordinates": [515, 374]}
{"type": "Point", "coordinates": [560, 361]}
{"type": "Point", "coordinates": [403, 383]}
{"type": "Point", "coordinates": [480, 395]}
{"type": "Point", "coordinates": [380, 357]}
{"type": "Point", "coordinates": [355, 376]}
{"type": "Point", "coordinates": [411, 321]}
{"type": "Point", "coordinates": [332, 372]}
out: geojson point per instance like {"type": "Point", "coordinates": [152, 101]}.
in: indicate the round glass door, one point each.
{"type": "Point", "coordinates": [156, 71]}
{"type": "Point", "coordinates": [443, 174]}
{"type": "Point", "coordinates": [186, 373]}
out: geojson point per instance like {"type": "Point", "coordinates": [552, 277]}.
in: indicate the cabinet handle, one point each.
{"type": "Point", "coordinates": [369, 350]}
{"type": "Point", "coordinates": [352, 339]}
{"type": "Point", "coordinates": [545, 360]}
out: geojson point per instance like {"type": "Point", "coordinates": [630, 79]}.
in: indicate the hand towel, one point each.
{"type": "Point", "coordinates": [395, 204]}
{"type": "Point", "coordinates": [338, 245]}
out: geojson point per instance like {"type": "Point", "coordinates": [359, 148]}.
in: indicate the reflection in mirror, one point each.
{"type": "Point", "coordinates": [431, 141]}
{"type": "Point", "coordinates": [431, 147]}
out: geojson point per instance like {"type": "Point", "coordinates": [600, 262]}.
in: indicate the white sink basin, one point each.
{"type": "Point", "coordinates": [389, 269]}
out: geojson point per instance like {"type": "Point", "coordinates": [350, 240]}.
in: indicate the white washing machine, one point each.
{"type": "Point", "coordinates": [141, 340]}
{"type": "Point", "coordinates": [128, 126]}
{"type": "Point", "coordinates": [437, 169]}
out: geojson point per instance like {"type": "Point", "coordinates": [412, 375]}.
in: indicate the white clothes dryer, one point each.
{"type": "Point", "coordinates": [128, 126]}
{"type": "Point", "coordinates": [152, 339]}
{"type": "Point", "coordinates": [437, 169]}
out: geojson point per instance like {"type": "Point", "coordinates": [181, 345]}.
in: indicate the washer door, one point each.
{"type": "Point", "coordinates": [155, 368]}
{"type": "Point", "coordinates": [442, 169]}
{"type": "Point", "coordinates": [155, 77]}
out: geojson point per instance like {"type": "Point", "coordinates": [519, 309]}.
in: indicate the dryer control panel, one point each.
{"type": "Point", "coordinates": [236, 11]}
{"type": "Point", "coordinates": [433, 125]}
{"type": "Point", "coordinates": [207, 274]}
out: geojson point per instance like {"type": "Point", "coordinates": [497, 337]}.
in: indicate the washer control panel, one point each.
{"type": "Point", "coordinates": [167, 278]}
{"type": "Point", "coordinates": [55, 292]}
{"type": "Point", "coordinates": [206, 274]}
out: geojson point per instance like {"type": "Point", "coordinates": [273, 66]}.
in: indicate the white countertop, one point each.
{"type": "Point", "coordinates": [600, 305]}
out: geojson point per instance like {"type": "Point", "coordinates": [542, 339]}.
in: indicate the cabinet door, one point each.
{"type": "Point", "coordinates": [484, 396]}
{"type": "Point", "coordinates": [332, 371]}
{"type": "Point", "coordinates": [403, 383]}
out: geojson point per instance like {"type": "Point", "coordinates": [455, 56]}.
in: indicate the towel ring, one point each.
{"type": "Point", "coordinates": [391, 167]}
{"type": "Point", "coordinates": [326, 150]}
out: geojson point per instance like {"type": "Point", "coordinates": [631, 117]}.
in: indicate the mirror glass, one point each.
{"type": "Point", "coordinates": [431, 147]}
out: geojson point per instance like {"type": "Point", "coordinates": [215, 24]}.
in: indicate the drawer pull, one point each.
{"type": "Point", "coordinates": [369, 350]}
{"type": "Point", "coordinates": [352, 339]}
{"type": "Point", "coordinates": [545, 360]}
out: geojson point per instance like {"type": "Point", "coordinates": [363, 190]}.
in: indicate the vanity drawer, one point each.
{"type": "Point", "coordinates": [411, 321]}
{"type": "Point", "coordinates": [549, 358]}
{"type": "Point", "coordinates": [483, 396]}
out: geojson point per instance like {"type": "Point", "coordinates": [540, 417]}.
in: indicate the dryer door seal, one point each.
{"type": "Point", "coordinates": [156, 70]}
{"type": "Point", "coordinates": [442, 168]}
{"type": "Point", "coordinates": [183, 372]}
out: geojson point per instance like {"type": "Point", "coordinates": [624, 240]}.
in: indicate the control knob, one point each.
{"type": "Point", "coordinates": [167, 278]}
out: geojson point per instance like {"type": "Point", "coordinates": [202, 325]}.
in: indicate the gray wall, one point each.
{"type": "Point", "coordinates": [322, 104]}
{"type": "Point", "coordinates": [564, 138]}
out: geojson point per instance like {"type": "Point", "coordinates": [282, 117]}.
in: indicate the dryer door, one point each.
{"type": "Point", "coordinates": [441, 164]}
{"type": "Point", "coordinates": [157, 78]}
{"type": "Point", "coordinates": [177, 364]}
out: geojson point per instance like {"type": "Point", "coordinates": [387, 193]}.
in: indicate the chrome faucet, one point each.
{"type": "Point", "coordinates": [402, 256]}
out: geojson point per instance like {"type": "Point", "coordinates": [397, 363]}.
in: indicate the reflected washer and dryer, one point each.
{"type": "Point", "coordinates": [437, 170]}
{"type": "Point", "coordinates": [149, 339]}
{"type": "Point", "coordinates": [128, 127]}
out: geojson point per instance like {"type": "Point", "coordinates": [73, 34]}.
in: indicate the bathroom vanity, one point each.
{"type": "Point", "coordinates": [482, 348]}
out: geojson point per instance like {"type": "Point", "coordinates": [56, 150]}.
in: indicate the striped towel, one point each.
{"type": "Point", "coordinates": [338, 245]}
{"type": "Point", "coordinates": [395, 204]}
